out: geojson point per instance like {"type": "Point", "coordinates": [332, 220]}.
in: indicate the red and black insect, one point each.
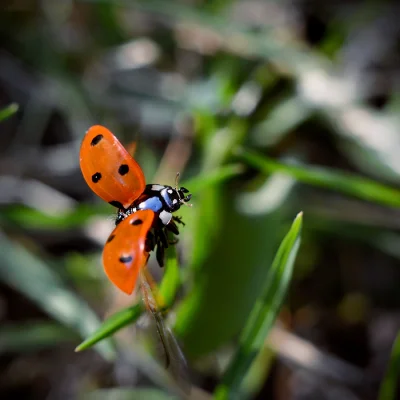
{"type": "Point", "coordinates": [143, 219]}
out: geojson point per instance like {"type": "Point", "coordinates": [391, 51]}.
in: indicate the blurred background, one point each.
{"type": "Point", "coordinates": [191, 85]}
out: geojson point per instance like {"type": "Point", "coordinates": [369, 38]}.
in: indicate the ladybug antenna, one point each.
{"type": "Point", "coordinates": [177, 180]}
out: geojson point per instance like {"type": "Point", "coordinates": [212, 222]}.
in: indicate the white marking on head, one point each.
{"type": "Point", "coordinates": [165, 217]}
{"type": "Point", "coordinates": [174, 201]}
{"type": "Point", "coordinates": [170, 191]}
{"type": "Point", "coordinates": [157, 187]}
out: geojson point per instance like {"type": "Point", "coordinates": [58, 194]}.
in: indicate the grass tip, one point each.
{"type": "Point", "coordinates": [78, 348]}
{"type": "Point", "coordinates": [14, 107]}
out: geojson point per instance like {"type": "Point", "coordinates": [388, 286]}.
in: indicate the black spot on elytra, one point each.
{"type": "Point", "coordinates": [111, 237]}
{"type": "Point", "coordinates": [123, 169]}
{"type": "Point", "coordinates": [137, 222]}
{"type": "Point", "coordinates": [96, 177]}
{"type": "Point", "coordinates": [116, 204]}
{"type": "Point", "coordinates": [96, 140]}
{"type": "Point", "coordinates": [125, 259]}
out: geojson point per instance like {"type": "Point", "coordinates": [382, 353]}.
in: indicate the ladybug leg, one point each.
{"type": "Point", "coordinates": [161, 241]}
{"type": "Point", "coordinates": [160, 254]}
{"type": "Point", "coordinates": [178, 220]}
{"type": "Point", "coordinates": [172, 227]}
{"type": "Point", "coordinates": [150, 241]}
{"type": "Point", "coordinates": [162, 236]}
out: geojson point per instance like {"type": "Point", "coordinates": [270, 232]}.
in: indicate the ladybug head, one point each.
{"type": "Point", "coordinates": [183, 195]}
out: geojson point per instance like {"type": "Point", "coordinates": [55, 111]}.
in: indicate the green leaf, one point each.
{"type": "Point", "coordinates": [114, 323]}
{"type": "Point", "coordinates": [264, 312]}
{"type": "Point", "coordinates": [212, 178]}
{"type": "Point", "coordinates": [33, 336]}
{"type": "Point", "coordinates": [29, 275]}
{"type": "Point", "coordinates": [392, 378]}
{"type": "Point", "coordinates": [346, 183]}
{"type": "Point", "coordinates": [8, 111]}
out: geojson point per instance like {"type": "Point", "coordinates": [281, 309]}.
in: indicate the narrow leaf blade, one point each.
{"type": "Point", "coordinates": [113, 324]}
{"type": "Point", "coordinates": [264, 312]}
{"type": "Point", "coordinates": [8, 111]}
{"type": "Point", "coordinates": [391, 380]}
{"type": "Point", "coordinates": [338, 181]}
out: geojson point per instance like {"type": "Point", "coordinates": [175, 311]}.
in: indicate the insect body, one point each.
{"type": "Point", "coordinates": [144, 211]}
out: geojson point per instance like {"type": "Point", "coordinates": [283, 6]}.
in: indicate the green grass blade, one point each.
{"type": "Point", "coordinates": [264, 312]}
{"type": "Point", "coordinates": [29, 275]}
{"type": "Point", "coordinates": [29, 218]}
{"type": "Point", "coordinates": [346, 183]}
{"type": "Point", "coordinates": [116, 322]}
{"type": "Point", "coordinates": [8, 111]}
{"type": "Point", "coordinates": [392, 378]}
{"type": "Point", "coordinates": [203, 181]}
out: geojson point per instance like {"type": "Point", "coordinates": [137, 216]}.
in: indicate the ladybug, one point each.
{"type": "Point", "coordinates": [145, 212]}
